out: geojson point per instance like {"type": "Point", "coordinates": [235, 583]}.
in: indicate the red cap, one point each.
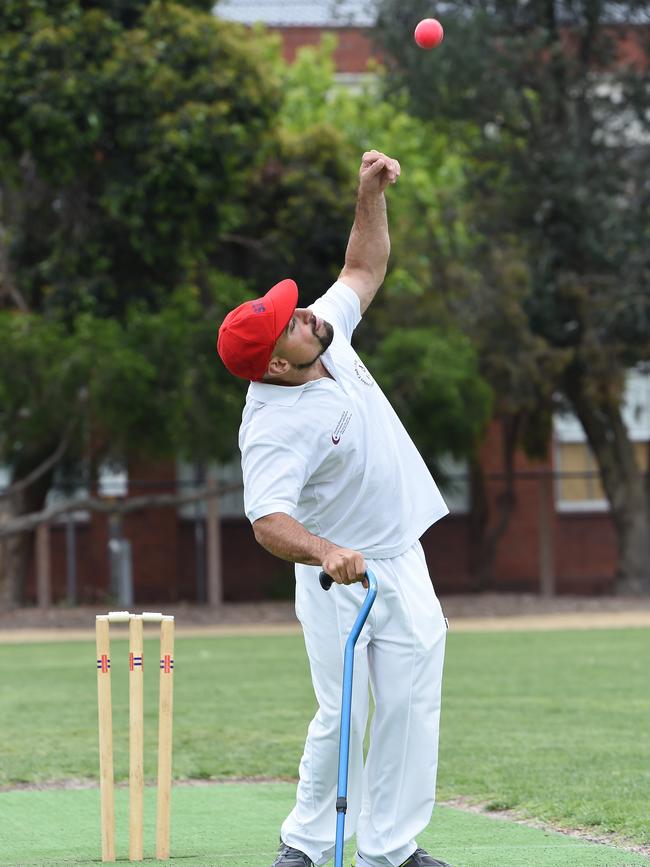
{"type": "Point", "coordinates": [248, 334]}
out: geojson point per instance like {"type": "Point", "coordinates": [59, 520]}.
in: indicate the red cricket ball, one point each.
{"type": "Point", "coordinates": [429, 33]}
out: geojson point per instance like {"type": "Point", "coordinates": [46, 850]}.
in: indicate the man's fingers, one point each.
{"type": "Point", "coordinates": [341, 576]}
{"type": "Point", "coordinates": [369, 157]}
{"type": "Point", "coordinates": [351, 572]}
{"type": "Point", "coordinates": [345, 566]}
{"type": "Point", "coordinates": [373, 168]}
{"type": "Point", "coordinates": [374, 162]}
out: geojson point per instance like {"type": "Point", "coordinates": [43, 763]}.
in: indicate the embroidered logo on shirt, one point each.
{"type": "Point", "coordinates": [342, 424]}
{"type": "Point", "coordinates": [362, 373]}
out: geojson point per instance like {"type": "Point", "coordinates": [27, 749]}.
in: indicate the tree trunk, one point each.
{"type": "Point", "coordinates": [18, 550]}
{"type": "Point", "coordinates": [6, 588]}
{"type": "Point", "coordinates": [480, 567]}
{"type": "Point", "coordinates": [14, 556]}
{"type": "Point", "coordinates": [485, 539]}
{"type": "Point", "coordinates": [623, 480]}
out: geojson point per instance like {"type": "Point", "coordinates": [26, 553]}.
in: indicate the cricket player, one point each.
{"type": "Point", "coordinates": [333, 481]}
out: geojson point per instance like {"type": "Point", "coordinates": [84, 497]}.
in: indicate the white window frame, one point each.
{"type": "Point", "coordinates": [112, 481]}
{"type": "Point", "coordinates": [5, 477]}
{"type": "Point", "coordinates": [457, 494]}
{"type": "Point", "coordinates": [569, 506]}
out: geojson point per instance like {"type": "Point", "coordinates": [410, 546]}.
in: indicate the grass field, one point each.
{"type": "Point", "coordinates": [236, 826]}
{"type": "Point", "coordinates": [554, 724]}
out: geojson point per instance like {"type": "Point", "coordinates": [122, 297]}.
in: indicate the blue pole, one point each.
{"type": "Point", "coordinates": [346, 710]}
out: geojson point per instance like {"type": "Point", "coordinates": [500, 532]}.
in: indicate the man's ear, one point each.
{"type": "Point", "coordinates": [277, 366]}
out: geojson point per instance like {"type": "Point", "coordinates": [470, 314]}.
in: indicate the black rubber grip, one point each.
{"type": "Point", "coordinates": [325, 580]}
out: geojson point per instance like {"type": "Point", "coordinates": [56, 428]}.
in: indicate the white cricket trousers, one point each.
{"type": "Point", "coordinates": [400, 652]}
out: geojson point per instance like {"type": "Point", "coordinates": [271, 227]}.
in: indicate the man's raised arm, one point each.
{"type": "Point", "coordinates": [368, 248]}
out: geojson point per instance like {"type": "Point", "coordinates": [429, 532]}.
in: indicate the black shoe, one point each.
{"type": "Point", "coordinates": [288, 857]}
{"type": "Point", "coordinates": [420, 858]}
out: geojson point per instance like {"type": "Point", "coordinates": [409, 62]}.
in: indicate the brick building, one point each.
{"type": "Point", "coordinates": [559, 536]}
{"type": "Point", "coordinates": [303, 22]}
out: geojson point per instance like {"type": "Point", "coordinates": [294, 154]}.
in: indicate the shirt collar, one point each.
{"type": "Point", "coordinates": [286, 395]}
{"type": "Point", "coordinates": [281, 395]}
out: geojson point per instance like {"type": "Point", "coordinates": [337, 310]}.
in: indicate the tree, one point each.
{"type": "Point", "coordinates": [72, 398]}
{"type": "Point", "coordinates": [127, 134]}
{"type": "Point", "coordinates": [124, 147]}
{"type": "Point", "coordinates": [559, 164]}
{"type": "Point", "coordinates": [298, 206]}
{"type": "Point", "coordinates": [133, 137]}
{"type": "Point", "coordinates": [438, 392]}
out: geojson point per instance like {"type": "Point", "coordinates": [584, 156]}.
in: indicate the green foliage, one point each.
{"type": "Point", "coordinates": [19, 15]}
{"type": "Point", "coordinates": [40, 381]}
{"type": "Point", "coordinates": [148, 385]}
{"type": "Point", "coordinates": [125, 150]}
{"type": "Point", "coordinates": [425, 215]}
{"type": "Point", "coordinates": [148, 151]}
{"type": "Point", "coordinates": [557, 161]}
{"type": "Point", "coordinates": [557, 209]}
{"type": "Point", "coordinates": [136, 141]}
{"type": "Point", "coordinates": [435, 386]}
{"type": "Point", "coordinates": [553, 288]}
{"type": "Point", "coordinates": [299, 206]}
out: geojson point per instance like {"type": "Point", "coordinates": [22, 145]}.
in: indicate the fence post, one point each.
{"type": "Point", "coordinates": [120, 562]}
{"type": "Point", "coordinates": [213, 533]}
{"type": "Point", "coordinates": [546, 547]}
{"type": "Point", "coordinates": [71, 559]}
{"type": "Point", "coordinates": [43, 571]}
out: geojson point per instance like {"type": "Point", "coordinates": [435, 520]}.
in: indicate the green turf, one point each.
{"type": "Point", "coordinates": [241, 707]}
{"type": "Point", "coordinates": [219, 826]}
{"type": "Point", "coordinates": [555, 724]}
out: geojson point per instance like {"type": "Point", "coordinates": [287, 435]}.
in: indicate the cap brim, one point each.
{"type": "Point", "coordinates": [284, 299]}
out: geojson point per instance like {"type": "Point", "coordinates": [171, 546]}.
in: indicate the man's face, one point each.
{"type": "Point", "coordinates": [304, 340]}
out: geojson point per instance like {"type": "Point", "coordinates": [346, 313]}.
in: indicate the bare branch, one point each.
{"type": "Point", "coordinates": [10, 290]}
{"type": "Point", "coordinates": [243, 241]}
{"type": "Point", "coordinates": [108, 506]}
{"type": "Point", "coordinates": [7, 284]}
{"type": "Point", "coordinates": [43, 468]}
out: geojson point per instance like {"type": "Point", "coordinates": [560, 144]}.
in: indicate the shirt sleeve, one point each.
{"type": "Point", "coordinates": [341, 307]}
{"type": "Point", "coordinates": [274, 476]}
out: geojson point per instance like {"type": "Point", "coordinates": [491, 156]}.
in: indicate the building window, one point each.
{"type": "Point", "coordinates": [454, 484]}
{"type": "Point", "coordinates": [5, 477]}
{"type": "Point", "coordinates": [112, 482]}
{"type": "Point", "coordinates": [578, 485]}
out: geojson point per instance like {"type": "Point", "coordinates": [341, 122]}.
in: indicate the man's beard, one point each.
{"type": "Point", "coordinates": [325, 342]}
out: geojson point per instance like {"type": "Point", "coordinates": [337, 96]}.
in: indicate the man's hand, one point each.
{"type": "Point", "coordinates": [285, 537]}
{"type": "Point", "coordinates": [377, 172]}
{"type": "Point", "coordinates": [345, 566]}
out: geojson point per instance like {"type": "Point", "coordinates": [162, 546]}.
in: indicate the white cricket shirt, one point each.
{"type": "Point", "coordinates": [333, 453]}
